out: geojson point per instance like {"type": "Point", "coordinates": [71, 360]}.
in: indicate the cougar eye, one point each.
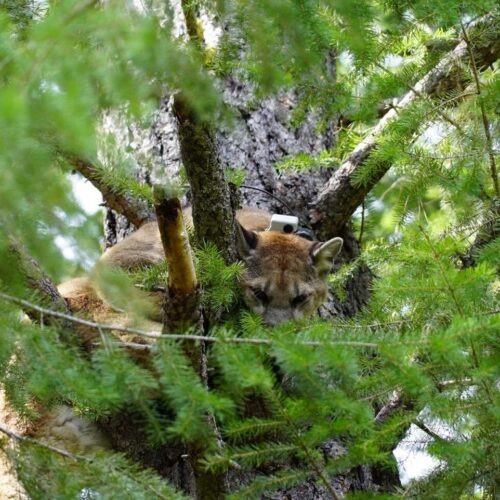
{"type": "Point", "coordinates": [299, 299]}
{"type": "Point", "coordinates": [260, 295]}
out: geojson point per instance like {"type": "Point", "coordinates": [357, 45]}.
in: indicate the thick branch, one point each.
{"type": "Point", "coordinates": [335, 204]}
{"type": "Point", "coordinates": [135, 211]}
{"type": "Point", "coordinates": [213, 216]}
{"type": "Point", "coordinates": [182, 310]}
{"type": "Point", "coordinates": [182, 305]}
{"type": "Point", "coordinates": [181, 272]}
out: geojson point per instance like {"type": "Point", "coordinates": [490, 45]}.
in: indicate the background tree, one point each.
{"type": "Point", "coordinates": [331, 106]}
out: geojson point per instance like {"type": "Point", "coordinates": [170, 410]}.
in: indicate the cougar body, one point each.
{"type": "Point", "coordinates": [285, 278]}
{"type": "Point", "coordinates": [285, 274]}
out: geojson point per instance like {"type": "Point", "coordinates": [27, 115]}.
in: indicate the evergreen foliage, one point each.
{"type": "Point", "coordinates": [430, 331]}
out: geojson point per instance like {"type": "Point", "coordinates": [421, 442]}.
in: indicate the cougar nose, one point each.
{"type": "Point", "coordinates": [276, 316]}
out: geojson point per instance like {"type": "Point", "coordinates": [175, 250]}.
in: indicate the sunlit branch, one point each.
{"type": "Point", "coordinates": [336, 203]}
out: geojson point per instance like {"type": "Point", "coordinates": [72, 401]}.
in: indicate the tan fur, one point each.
{"type": "Point", "coordinates": [82, 298]}
{"type": "Point", "coordinates": [63, 428]}
{"type": "Point", "coordinates": [282, 267]}
{"type": "Point", "coordinates": [283, 280]}
{"type": "Point", "coordinates": [144, 247]}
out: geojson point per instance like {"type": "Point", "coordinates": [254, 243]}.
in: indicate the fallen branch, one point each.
{"type": "Point", "coordinates": [336, 203]}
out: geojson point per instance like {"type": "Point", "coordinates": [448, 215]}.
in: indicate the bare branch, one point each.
{"type": "Point", "coordinates": [181, 308]}
{"type": "Point", "coordinates": [74, 319]}
{"type": "Point", "coordinates": [335, 204]}
{"type": "Point", "coordinates": [428, 431]}
{"type": "Point", "coordinates": [181, 272]}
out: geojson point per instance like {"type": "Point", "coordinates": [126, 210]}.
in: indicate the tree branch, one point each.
{"type": "Point", "coordinates": [484, 116]}
{"type": "Point", "coordinates": [213, 216]}
{"type": "Point", "coordinates": [181, 309]}
{"type": "Point", "coordinates": [135, 210]}
{"type": "Point", "coordinates": [37, 281]}
{"type": "Point", "coordinates": [428, 431]}
{"type": "Point", "coordinates": [173, 336]}
{"type": "Point", "coordinates": [335, 204]}
{"type": "Point", "coordinates": [18, 437]}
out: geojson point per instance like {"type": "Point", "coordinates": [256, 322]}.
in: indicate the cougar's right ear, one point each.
{"type": "Point", "coordinates": [246, 241]}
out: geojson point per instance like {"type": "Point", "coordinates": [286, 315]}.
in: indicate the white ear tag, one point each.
{"type": "Point", "coordinates": [284, 223]}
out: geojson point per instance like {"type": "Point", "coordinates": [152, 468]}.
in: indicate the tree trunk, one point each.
{"type": "Point", "coordinates": [261, 136]}
{"type": "Point", "coordinates": [213, 215]}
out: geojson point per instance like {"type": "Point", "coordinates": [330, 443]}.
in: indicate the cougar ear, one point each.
{"type": "Point", "coordinates": [323, 254]}
{"type": "Point", "coordinates": [246, 241]}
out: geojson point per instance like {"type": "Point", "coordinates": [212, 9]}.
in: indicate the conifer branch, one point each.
{"type": "Point", "coordinates": [172, 336]}
{"type": "Point", "coordinates": [17, 437]}
{"type": "Point", "coordinates": [449, 286]}
{"type": "Point", "coordinates": [428, 431]}
{"type": "Point", "coordinates": [484, 116]}
{"type": "Point", "coordinates": [318, 469]}
{"type": "Point", "coordinates": [451, 290]}
{"type": "Point", "coordinates": [240, 340]}
{"type": "Point", "coordinates": [74, 319]}
{"type": "Point", "coordinates": [418, 93]}
{"type": "Point", "coordinates": [66, 454]}
{"type": "Point", "coordinates": [36, 280]}
{"type": "Point", "coordinates": [336, 203]}
{"type": "Point", "coordinates": [132, 208]}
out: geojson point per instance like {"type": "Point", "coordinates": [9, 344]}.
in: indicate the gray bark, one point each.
{"type": "Point", "coordinates": [261, 135]}
{"type": "Point", "coordinates": [36, 281]}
